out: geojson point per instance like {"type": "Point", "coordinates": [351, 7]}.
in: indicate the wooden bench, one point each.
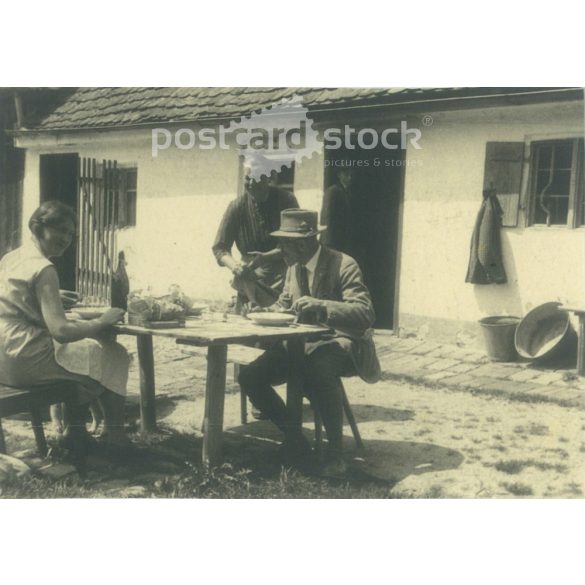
{"type": "Point", "coordinates": [242, 355]}
{"type": "Point", "coordinates": [31, 400]}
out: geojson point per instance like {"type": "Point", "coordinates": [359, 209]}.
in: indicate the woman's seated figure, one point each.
{"type": "Point", "coordinates": [39, 344]}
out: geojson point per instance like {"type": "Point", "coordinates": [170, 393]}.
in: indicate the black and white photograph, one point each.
{"type": "Point", "coordinates": [292, 292]}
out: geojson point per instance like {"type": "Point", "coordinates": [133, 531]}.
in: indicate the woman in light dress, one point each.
{"type": "Point", "coordinates": [38, 344]}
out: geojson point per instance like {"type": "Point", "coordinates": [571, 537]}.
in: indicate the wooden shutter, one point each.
{"type": "Point", "coordinates": [503, 173]}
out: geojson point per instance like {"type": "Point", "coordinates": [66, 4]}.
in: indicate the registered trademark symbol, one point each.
{"type": "Point", "coordinates": [427, 120]}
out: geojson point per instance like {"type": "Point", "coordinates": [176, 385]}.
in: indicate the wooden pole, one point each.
{"type": "Point", "coordinates": [107, 234]}
{"type": "Point", "coordinates": [115, 202]}
{"type": "Point", "coordinates": [2, 440]}
{"type": "Point", "coordinates": [93, 289]}
{"type": "Point", "coordinates": [101, 227]}
{"type": "Point", "coordinates": [214, 403]}
{"type": "Point", "coordinates": [147, 383]}
{"type": "Point", "coordinates": [78, 230]}
{"type": "Point", "coordinates": [581, 346]}
{"type": "Point", "coordinates": [294, 386]}
{"type": "Point", "coordinates": [86, 239]}
{"type": "Point", "coordinates": [351, 419]}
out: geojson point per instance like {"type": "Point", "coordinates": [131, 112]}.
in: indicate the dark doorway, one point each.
{"type": "Point", "coordinates": [58, 174]}
{"type": "Point", "coordinates": [375, 196]}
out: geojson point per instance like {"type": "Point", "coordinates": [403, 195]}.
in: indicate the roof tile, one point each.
{"type": "Point", "coordinates": [91, 107]}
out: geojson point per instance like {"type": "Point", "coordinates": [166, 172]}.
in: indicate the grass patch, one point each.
{"type": "Point", "coordinates": [167, 466]}
{"type": "Point", "coordinates": [421, 432]}
{"type": "Point", "coordinates": [518, 489]}
{"type": "Point", "coordinates": [226, 481]}
{"type": "Point", "coordinates": [561, 453]}
{"type": "Point", "coordinates": [501, 448]}
{"type": "Point", "coordinates": [514, 466]}
{"type": "Point", "coordinates": [539, 430]}
{"type": "Point", "coordinates": [574, 489]}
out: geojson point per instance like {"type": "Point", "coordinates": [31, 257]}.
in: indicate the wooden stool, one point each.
{"type": "Point", "coordinates": [350, 419]}
{"type": "Point", "coordinates": [242, 355]}
{"type": "Point", "coordinates": [31, 400]}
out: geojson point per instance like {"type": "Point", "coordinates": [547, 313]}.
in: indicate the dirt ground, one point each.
{"type": "Point", "coordinates": [421, 441]}
{"type": "Point", "coordinates": [460, 445]}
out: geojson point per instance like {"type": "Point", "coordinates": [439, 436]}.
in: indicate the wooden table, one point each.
{"type": "Point", "coordinates": [580, 312]}
{"type": "Point", "coordinates": [216, 336]}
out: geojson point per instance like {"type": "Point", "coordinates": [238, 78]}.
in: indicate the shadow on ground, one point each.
{"type": "Point", "coordinates": [369, 413]}
{"type": "Point", "coordinates": [256, 444]}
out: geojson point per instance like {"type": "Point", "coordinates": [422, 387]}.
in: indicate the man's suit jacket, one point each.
{"type": "Point", "coordinates": [338, 281]}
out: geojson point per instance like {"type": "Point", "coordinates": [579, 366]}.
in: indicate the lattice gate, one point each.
{"type": "Point", "coordinates": [98, 204]}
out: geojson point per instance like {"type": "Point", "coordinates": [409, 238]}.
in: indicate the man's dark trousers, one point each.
{"type": "Point", "coordinates": [322, 370]}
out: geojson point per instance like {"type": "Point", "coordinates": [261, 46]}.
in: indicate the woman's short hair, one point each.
{"type": "Point", "coordinates": [51, 213]}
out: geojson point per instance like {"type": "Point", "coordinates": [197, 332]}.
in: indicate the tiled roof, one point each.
{"type": "Point", "coordinates": [104, 107]}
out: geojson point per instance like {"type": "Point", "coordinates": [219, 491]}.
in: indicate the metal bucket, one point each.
{"type": "Point", "coordinates": [546, 334]}
{"type": "Point", "coordinates": [498, 333]}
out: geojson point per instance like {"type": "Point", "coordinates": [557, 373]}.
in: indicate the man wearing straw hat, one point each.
{"type": "Point", "coordinates": [325, 286]}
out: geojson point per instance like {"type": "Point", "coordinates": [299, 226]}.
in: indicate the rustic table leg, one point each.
{"type": "Point", "coordinates": [294, 386]}
{"type": "Point", "coordinates": [2, 440]}
{"type": "Point", "coordinates": [581, 346]}
{"type": "Point", "coordinates": [147, 387]}
{"type": "Point", "coordinates": [214, 401]}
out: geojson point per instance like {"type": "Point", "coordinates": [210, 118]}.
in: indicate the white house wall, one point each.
{"type": "Point", "coordinates": [443, 193]}
{"type": "Point", "coordinates": [182, 195]}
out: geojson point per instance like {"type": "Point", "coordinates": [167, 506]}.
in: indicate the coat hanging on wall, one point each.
{"type": "Point", "coordinates": [485, 261]}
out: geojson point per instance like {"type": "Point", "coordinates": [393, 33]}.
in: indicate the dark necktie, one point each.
{"type": "Point", "coordinates": [310, 318]}
{"type": "Point", "coordinates": [304, 281]}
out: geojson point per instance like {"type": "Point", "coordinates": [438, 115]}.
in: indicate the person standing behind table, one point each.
{"type": "Point", "coordinates": [247, 223]}
{"type": "Point", "coordinates": [324, 286]}
{"type": "Point", "coordinates": [336, 213]}
{"type": "Point", "coordinates": [38, 344]}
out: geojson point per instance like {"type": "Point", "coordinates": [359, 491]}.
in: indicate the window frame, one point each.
{"type": "Point", "coordinates": [576, 182]}
{"type": "Point", "coordinates": [131, 209]}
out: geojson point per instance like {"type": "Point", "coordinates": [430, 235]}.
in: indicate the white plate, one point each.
{"type": "Point", "coordinates": [274, 319]}
{"type": "Point", "coordinates": [90, 312]}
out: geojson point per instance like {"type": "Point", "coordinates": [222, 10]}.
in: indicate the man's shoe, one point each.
{"type": "Point", "coordinates": [297, 454]}
{"type": "Point", "coordinates": [335, 468]}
